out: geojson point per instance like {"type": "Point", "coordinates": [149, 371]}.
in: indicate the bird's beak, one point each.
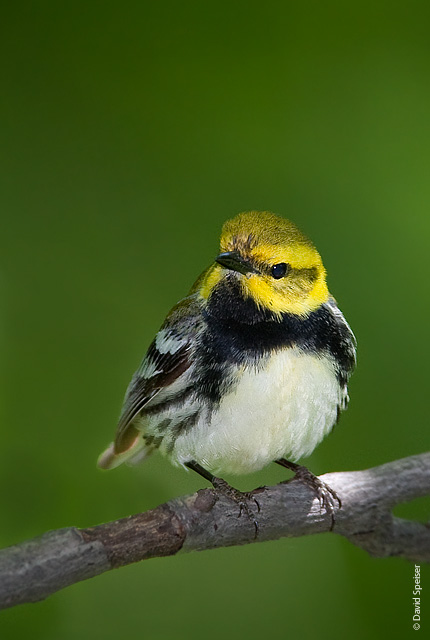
{"type": "Point", "coordinates": [233, 260]}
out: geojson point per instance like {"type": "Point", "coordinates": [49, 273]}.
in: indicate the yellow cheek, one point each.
{"type": "Point", "coordinates": [266, 295]}
{"type": "Point", "coordinates": [213, 276]}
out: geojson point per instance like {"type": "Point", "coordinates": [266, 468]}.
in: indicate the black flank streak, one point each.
{"type": "Point", "coordinates": [186, 424]}
{"type": "Point", "coordinates": [176, 401]}
{"type": "Point", "coordinates": [181, 427]}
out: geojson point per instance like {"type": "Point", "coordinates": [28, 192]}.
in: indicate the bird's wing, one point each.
{"type": "Point", "coordinates": [168, 357]}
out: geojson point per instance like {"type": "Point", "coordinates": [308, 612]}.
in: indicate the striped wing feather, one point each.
{"type": "Point", "coordinates": [158, 371]}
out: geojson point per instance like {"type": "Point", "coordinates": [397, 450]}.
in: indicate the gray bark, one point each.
{"type": "Point", "coordinates": [33, 570]}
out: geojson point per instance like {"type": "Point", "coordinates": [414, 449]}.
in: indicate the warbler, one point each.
{"type": "Point", "coordinates": [250, 368]}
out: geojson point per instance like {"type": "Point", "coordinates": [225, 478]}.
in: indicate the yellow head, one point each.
{"type": "Point", "coordinates": [275, 264]}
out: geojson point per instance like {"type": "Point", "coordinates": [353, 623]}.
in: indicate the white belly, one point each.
{"type": "Point", "coordinates": [282, 410]}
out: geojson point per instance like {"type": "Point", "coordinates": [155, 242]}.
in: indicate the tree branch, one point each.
{"type": "Point", "coordinates": [33, 570]}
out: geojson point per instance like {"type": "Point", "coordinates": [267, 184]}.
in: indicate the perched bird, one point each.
{"type": "Point", "coordinates": [250, 368]}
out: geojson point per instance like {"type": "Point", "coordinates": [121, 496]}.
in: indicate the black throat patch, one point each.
{"type": "Point", "coordinates": [239, 332]}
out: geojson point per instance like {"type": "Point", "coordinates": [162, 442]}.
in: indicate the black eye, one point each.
{"type": "Point", "coordinates": [279, 270]}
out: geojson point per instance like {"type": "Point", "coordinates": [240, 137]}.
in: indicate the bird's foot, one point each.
{"type": "Point", "coordinates": [242, 499]}
{"type": "Point", "coordinates": [326, 495]}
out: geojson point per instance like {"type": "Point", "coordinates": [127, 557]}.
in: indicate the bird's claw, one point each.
{"type": "Point", "coordinates": [242, 499]}
{"type": "Point", "coordinates": [327, 496]}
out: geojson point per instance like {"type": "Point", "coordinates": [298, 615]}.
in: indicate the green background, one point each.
{"type": "Point", "coordinates": [129, 133]}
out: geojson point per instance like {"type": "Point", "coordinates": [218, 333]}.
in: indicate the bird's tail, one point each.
{"type": "Point", "coordinates": [136, 453]}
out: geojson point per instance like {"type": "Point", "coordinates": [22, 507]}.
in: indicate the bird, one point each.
{"type": "Point", "coordinates": [250, 368]}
